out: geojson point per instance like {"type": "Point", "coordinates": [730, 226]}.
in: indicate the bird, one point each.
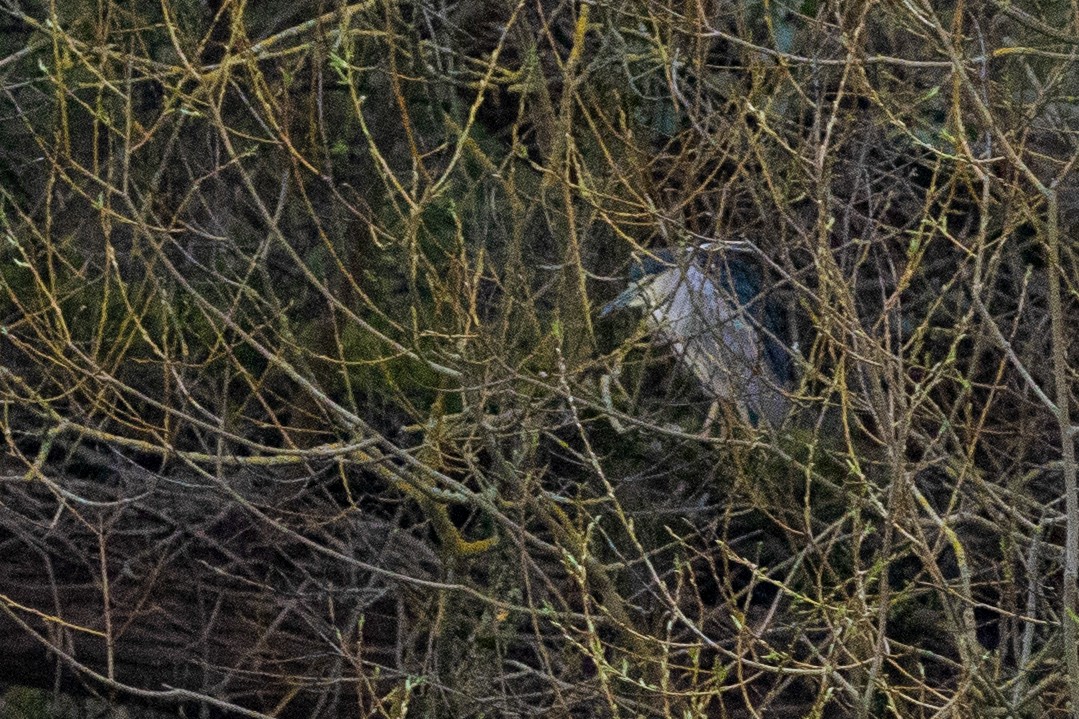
{"type": "Point", "coordinates": [706, 303]}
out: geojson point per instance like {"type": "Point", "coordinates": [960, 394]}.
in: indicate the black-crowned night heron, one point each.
{"type": "Point", "coordinates": [707, 304]}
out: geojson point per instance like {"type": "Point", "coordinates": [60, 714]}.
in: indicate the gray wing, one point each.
{"type": "Point", "coordinates": [721, 343]}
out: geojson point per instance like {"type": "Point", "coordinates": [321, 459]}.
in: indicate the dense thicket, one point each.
{"type": "Point", "coordinates": [308, 408]}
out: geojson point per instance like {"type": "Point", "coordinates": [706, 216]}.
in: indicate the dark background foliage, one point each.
{"type": "Point", "coordinates": [308, 409]}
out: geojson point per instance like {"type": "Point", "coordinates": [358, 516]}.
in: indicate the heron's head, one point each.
{"type": "Point", "coordinates": [702, 268]}
{"type": "Point", "coordinates": [644, 281]}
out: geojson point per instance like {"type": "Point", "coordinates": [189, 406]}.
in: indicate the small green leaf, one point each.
{"type": "Point", "coordinates": [929, 94]}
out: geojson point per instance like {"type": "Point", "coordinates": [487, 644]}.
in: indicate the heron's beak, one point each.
{"type": "Point", "coordinates": [631, 297]}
